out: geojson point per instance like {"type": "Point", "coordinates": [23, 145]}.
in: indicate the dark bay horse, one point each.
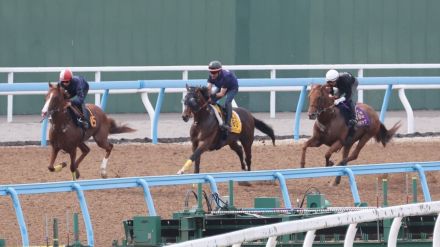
{"type": "Point", "coordinates": [65, 135]}
{"type": "Point", "coordinates": [330, 128]}
{"type": "Point", "coordinates": [206, 134]}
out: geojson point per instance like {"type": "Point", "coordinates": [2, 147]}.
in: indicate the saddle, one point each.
{"type": "Point", "coordinates": [235, 119]}
{"type": "Point", "coordinates": [78, 116]}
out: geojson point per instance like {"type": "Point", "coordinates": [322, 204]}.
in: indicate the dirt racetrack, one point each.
{"type": "Point", "coordinates": [108, 208]}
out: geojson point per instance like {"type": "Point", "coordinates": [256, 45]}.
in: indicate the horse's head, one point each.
{"type": "Point", "coordinates": [195, 99]}
{"type": "Point", "coordinates": [54, 100]}
{"type": "Point", "coordinates": [319, 100]}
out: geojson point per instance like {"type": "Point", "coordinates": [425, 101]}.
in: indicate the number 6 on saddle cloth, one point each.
{"type": "Point", "coordinates": [78, 115]}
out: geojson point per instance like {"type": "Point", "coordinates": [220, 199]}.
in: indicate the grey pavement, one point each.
{"type": "Point", "coordinates": [28, 127]}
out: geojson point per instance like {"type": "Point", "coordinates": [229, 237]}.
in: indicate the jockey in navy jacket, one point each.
{"type": "Point", "coordinates": [76, 88]}
{"type": "Point", "coordinates": [226, 85]}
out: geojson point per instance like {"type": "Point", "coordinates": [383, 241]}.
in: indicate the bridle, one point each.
{"type": "Point", "coordinates": [319, 106]}
{"type": "Point", "coordinates": [194, 102]}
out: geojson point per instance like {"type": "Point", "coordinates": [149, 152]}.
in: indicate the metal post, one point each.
{"type": "Point", "coordinates": [299, 107]}
{"type": "Point", "coordinates": [10, 98]}
{"type": "Point", "coordinates": [148, 197]}
{"type": "Point", "coordinates": [353, 186]}
{"type": "Point", "coordinates": [231, 193]}
{"type": "Point", "coordinates": [414, 189]}
{"type": "Point", "coordinates": [284, 190]}
{"type": "Point", "coordinates": [386, 100]}
{"type": "Point", "coordinates": [385, 192]}
{"type": "Point", "coordinates": [273, 99]}
{"type": "Point", "coordinates": [97, 95]}
{"type": "Point", "coordinates": [20, 217]}
{"type": "Point", "coordinates": [199, 198]}
{"type": "Point", "coordinates": [55, 233]}
{"type": "Point", "coordinates": [156, 114]}
{"type": "Point", "coordinates": [85, 211]}
{"type": "Point", "coordinates": [76, 241]}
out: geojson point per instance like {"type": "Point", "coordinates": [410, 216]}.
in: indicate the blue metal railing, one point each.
{"type": "Point", "coordinates": [257, 82]}
{"type": "Point", "coordinates": [15, 190]}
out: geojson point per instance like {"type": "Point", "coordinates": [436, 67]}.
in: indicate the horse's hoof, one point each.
{"type": "Point", "coordinates": [75, 175]}
{"type": "Point", "coordinates": [330, 163]}
{"type": "Point", "coordinates": [51, 168]}
{"type": "Point", "coordinates": [244, 183]}
{"type": "Point", "coordinates": [60, 166]}
{"type": "Point", "coordinates": [103, 173]}
{"type": "Point", "coordinates": [180, 172]}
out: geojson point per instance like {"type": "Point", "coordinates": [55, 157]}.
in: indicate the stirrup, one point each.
{"type": "Point", "coordinates": [225, 127]}
{"type": "Point", "coordinates": [84, 124]}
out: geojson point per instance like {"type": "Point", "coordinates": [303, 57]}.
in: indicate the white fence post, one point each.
{"type": "Point", "coordinates": [10, 98]}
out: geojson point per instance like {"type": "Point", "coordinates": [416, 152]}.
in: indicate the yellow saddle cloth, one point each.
{"type": "Point", "coordinates": [235, 120]}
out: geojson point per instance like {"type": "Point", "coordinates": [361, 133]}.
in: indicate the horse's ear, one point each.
{"type": "Point", "coordinates": [53, 85]}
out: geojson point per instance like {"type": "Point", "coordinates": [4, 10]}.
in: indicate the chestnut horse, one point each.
{"type": "Point", "coordinates": [330, 127]}
{"type": "Point", "coordinates": [65, 135]}
{"type": "Point", "coordinates": [206, 134]}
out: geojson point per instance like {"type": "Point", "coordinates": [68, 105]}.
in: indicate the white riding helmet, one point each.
{"type": "Point", "coordinates": [332, 75]}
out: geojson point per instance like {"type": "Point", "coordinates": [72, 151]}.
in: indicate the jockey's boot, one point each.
{"type": "Point", "coordinates": [228, 114]}
{"type": "Point", "coordinates": [351, 131]}
{"type": "Point", "coordinates": [86, 116]}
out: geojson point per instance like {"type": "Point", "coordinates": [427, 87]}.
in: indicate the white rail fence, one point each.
{"type": "Point", "coordinates": [184, 70]}
{"type": "Point", "coordinates": [271, 232]}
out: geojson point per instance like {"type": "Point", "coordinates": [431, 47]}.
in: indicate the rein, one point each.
{"type": "Point", "coordinates": [319, 107]}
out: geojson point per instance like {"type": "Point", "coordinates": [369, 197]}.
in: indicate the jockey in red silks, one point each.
{"type": "Point", "coordinates": [76, 88]}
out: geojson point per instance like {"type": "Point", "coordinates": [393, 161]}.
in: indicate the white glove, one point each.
{"type": "Point", "coordinates": [339, 100]}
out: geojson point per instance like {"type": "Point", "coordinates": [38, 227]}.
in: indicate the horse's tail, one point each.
{"type": "Point", "coordinates": [266, 129]}
{"type": "Point", "coordinates": [384, 135]}
{"type": "Point", "coordinates": [117, 129]}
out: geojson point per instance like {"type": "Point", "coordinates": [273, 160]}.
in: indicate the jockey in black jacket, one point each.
{"type": "Point", "coordinates": [344, 85]}
{"type": "Point", "coordinates": [76, 88]}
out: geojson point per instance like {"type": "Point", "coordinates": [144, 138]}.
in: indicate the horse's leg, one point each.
{"type": "Point", "coordinates": [201, 148]}
{"type": "Point", "coordinates": [355, 154]}
{"type": "Point", "coordinates": [239, 151]}
{"type": "Point", "coordinates": [104, 144]}
{"type": "Point", "coordinates": [312, 142]}
{"type": "Point", "coordinates": [333, 148]}
{"type": "Point", "coordinates": [345, 152]}
{"type": "Point", "coordinates": [84, 151]}
{"type": "Point", "coordinates": [73, 170]}
{"type": "Point", "coordinates": [53, 157]}
{"type": "Point", "coordinates": [195, 144]}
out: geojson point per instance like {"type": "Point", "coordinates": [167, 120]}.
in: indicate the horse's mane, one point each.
{"type": "Point", "coordinates": [204, 92]}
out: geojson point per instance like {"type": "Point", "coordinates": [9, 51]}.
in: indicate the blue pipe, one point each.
{"type": "Point", "coordinates": [284, 190]}
{"type": "Point", "coordinates": [104, 99]}
{"type": "Point", "coordinates": [44, 132]}
{"type": "Point", "coordinates": [353, 186]}
{"type": "Point", "coordinates": [299, 107]}
{"type": "Point", "coordinates": [147, 196]}
{"type": "Point", "coordinates": [85, 212]}
{"type": "Point", "coordinates": [157, 113]}
{"type": "Point", "coordinates": [386, 100]}
{"type": "Point", "coordinates": [212, 183]}
{"type": "Point", "coordinates": [423, 182]}
{"type": "Point", "coordinates": [20, 217]}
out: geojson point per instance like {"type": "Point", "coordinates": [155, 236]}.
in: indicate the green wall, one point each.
{"type": "Point", "coordinates": [193, 32]}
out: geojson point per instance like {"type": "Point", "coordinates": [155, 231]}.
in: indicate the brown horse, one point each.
{"type": "Point", "coordinates": [206, 134]}
{"type": "Point", "coordinates": [330, 127]}
{"type": "Point", "coordinates": [65, 135]}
